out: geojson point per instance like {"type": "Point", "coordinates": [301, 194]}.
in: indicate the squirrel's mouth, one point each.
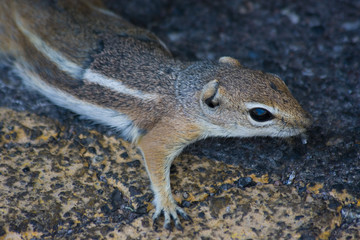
{"type": "Point", "coordinates": [291, 131]}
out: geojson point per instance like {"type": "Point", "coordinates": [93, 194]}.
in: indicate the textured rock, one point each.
{"type": "Point", "coordinates": [64, 177]}
{"type": "Point", "coordinates": [58, 183]}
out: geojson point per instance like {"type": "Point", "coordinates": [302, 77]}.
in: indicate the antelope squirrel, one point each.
{"type": "Point", "coordinates": [86, 58]}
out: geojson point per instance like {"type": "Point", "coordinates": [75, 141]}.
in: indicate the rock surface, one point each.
{"type": "Point", "coordinates": [64, 177]}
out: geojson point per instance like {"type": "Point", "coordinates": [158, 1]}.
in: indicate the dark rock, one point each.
{"type": "Point", "coordinates": [244, 182]}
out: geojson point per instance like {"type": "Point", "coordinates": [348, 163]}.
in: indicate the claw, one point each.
{"type": "Point", "coordinates": [178, 226]}
{"type": "Point", "coordinates": [167, 222]}
{"type": "Point", "coordinates": [176, 220]}
{"type": "Point", "coordinates": [168, 227]}
{"type": "Point", "coordinates": [157, 213]}
{"type": "Point", "coordinates": [171, 213]}
{"type": "Point", "coordinates": [183, 214]}
{"type": "Point", "coordinates": [155, 224]}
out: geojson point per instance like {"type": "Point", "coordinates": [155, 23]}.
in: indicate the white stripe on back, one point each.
{"type": "Point", "coordinates": [117, 86]}
{"type": "Point", "coordinates": [102, 115]}
{"type": "Point", "coordinates": [103, 11]}
{"type": "Point", "coordinates": [54, 56]}
{"type": "Point", "coordinates": [76, 71]}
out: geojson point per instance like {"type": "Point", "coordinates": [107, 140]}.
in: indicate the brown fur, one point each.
{"type": "Point", "coordinates": [193, 99]}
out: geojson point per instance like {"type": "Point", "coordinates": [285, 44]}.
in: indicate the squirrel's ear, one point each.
{"type": "Point", "coordinates": [210, 95]}
{"type": "Point", "coordinates": [230, 61]}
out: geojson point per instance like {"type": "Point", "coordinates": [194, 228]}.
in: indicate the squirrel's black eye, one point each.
{"type": "Point", "coordinates": [260, 114]}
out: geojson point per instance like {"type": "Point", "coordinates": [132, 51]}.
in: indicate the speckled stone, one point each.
{"type": "Point", "coordinates": [57, 183]}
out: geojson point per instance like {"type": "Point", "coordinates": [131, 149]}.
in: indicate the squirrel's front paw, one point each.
{"type": "Point", "coordinates": [170, 210]}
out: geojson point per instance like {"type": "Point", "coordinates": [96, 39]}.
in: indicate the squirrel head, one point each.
{"type": "Point", "coordinates": [237, 101]}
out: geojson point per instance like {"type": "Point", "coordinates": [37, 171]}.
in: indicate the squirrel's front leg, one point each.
{"type": "Point", "coordinates": [160, 146]}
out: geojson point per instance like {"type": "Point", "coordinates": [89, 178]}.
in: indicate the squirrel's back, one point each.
{"type": "Point", "coordinates": [91, 61]}
{"type": "Point", "coordinates": [73, 28]}
{"type": "Point", "coordinates": [77, 52]}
